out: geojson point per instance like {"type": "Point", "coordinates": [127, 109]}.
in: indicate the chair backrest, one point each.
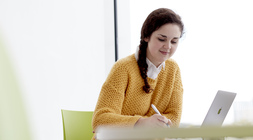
{"type": "Point", "coordinates": [77, 125]}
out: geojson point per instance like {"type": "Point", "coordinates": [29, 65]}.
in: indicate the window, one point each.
{"type": "Point", "coordinates": [214, 54]}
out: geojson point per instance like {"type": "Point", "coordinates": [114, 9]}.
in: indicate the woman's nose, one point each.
{"type": "Point", "coordinates": [167, 45]}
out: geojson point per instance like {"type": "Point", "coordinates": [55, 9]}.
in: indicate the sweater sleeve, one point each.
{"type": "Point", "coordinates": [174, 110]}
{"type": "Point", "coordinates": [111, 98]}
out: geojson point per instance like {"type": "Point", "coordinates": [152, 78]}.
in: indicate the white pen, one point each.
{"type": "Point", "coordinates": [157, 111]}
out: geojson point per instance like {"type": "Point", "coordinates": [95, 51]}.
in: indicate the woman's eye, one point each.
{"type": "Point", "coordinates": [173, 42]}
{"type": "Point", "coordinates": [161, 39]}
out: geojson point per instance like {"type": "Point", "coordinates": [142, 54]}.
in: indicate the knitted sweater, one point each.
{"type": "Point", "coordinates": [122, 100]}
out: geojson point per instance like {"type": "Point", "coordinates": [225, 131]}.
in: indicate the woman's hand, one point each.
{"type": "Point", "coordinates": [155, 120]}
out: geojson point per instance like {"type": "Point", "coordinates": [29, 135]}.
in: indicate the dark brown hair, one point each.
{"type": "Point", "coordinates": [153, 22]}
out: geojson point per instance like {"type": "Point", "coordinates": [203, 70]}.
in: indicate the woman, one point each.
{"type": "Point", "coordinates": [147, 77]}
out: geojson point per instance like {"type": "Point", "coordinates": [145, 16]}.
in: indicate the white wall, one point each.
{"type": "Point", "coordinates": [61, 52]}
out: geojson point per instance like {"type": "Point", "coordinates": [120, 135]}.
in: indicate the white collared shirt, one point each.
{"type": "Point", "coordinates": [153, 71]}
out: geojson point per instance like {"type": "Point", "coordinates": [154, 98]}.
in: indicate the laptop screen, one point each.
{"type": "Point", "coordinates": [219, 108]}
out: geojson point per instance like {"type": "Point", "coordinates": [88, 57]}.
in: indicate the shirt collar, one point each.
{"type": "Point", "coordinates": [150, 64]}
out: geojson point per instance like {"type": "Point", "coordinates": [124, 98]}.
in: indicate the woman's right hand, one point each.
{"type": "Point", "coordinates": [155, 120]}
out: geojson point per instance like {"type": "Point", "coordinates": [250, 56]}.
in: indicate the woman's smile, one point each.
{"type": "Point", "coordinates": [165, 52]}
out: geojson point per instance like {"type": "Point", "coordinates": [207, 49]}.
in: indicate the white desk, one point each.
{"type": "Point", "coordinates": [107, 133]}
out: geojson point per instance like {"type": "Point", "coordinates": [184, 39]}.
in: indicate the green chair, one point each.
{"type": "Point", "coordinates": [77, 125]}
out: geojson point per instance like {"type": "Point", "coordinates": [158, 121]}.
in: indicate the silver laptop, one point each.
{"type": "Point", "coordinates": [219, 108]}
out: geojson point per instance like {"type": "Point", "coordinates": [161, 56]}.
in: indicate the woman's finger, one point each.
{"type": "Point", "coordinates": [169, 122]}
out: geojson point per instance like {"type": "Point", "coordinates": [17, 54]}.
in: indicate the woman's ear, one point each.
{"type": "Point", "coordinates": [146, 39]}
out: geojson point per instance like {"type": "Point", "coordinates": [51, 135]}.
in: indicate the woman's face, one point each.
{"type": "Point", "coordinates": [163, 43]}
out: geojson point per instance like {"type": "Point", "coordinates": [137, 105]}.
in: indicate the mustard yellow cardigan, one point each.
{"type": "Point", "coordinates": [122, 101]}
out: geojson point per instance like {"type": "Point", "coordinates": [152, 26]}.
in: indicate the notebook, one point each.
{"type": "Point", "coordinates": [219, 108]}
